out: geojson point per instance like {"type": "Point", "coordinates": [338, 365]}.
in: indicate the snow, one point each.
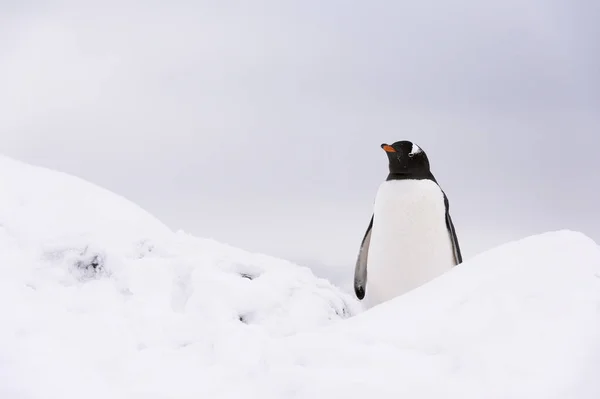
{"type": "Point", "coordinates": [169, 315]}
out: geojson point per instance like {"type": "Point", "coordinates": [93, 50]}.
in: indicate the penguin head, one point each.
{"type": "Point", "coordinates": [406, 158]}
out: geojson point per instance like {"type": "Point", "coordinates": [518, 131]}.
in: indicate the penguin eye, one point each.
{"type": "Point", "coordinates": [411, 155]}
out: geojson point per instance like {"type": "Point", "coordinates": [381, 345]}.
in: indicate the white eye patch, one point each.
{"type": "Point", "coordinates": [415, 150]}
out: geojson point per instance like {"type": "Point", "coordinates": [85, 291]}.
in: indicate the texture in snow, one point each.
{"type": "Point", "coordinates": [100, 300]}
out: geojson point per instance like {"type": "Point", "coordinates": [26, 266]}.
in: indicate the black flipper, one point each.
{"type": "Point", "coordinates": [360, 270]}
{"type": "Point", "coordinates": [452, 233]}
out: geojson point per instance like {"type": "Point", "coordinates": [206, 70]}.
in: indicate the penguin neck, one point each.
{"type": "Point", "coordinates": [411, 175]}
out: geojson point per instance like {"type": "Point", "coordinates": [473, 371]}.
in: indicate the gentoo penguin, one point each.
{"type": "Point", "coordinates": [411, 238]}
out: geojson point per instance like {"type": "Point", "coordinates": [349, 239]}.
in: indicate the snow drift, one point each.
{"type": "Point", "coordinates": [100, 300]}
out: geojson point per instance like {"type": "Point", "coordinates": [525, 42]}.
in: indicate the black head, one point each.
{"type": "Point", "coordinates": [406, 159]}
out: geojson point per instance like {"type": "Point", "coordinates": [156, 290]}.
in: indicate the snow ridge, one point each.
{"type": "Point", "coordinates": [98, 299]}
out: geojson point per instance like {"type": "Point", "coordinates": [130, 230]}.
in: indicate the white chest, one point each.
{"type": "Point", "coordinates": [410, 243]}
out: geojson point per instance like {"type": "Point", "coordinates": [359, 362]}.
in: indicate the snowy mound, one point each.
{"type": "Point", "coordinates": [519, 321]}
{"type": "Point", "coordinates": [100, 300]}
{"type": "Point", "coordinates": [90, 278]}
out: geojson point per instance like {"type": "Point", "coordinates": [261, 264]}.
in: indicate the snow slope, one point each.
{"type": "Point", "coordinates": [167, 315]}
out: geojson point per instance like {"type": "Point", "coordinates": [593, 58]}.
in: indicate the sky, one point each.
{"type": "Point", "coordinates": [259, 123]}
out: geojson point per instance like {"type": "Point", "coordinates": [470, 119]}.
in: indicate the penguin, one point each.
{"type": "Point", "coordinates": [410, 239]}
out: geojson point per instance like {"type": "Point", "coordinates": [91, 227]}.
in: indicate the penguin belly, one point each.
{"type": "Point", "coordinates": [410, 244]}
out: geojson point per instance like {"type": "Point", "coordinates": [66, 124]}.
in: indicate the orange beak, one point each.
{"type": "Point", "coordinates": [388, 148]}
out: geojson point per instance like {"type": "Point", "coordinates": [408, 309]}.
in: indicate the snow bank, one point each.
{"type": "Point", "coordinates": [519, 321]}
{"type": "Point", "coordinates": [100, 300]}
{"type": "Point", "coordinates": [90, 284]}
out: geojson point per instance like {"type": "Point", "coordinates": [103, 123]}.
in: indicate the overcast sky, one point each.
{"type": "Point", "coordinates": [259, 123]}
